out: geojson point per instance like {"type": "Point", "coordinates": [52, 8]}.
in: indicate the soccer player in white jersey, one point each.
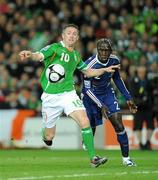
{"type": "Point", "coordinates": [61, 97]}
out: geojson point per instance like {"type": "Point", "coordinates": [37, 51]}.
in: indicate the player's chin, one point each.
{"type": "Point", "coordinates": [103, 59]}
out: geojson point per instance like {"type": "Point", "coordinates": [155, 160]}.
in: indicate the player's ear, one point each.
{"type": "Point", "coordinates": [77, 38]}
{"type": "Point", "coordinates": [62, 35]}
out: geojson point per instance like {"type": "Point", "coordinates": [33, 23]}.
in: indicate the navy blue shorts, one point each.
{"type": "Point", "coordinates": [94, 112]}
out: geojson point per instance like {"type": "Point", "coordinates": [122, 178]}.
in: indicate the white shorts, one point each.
{"type": "Point", "coordinates": [53, 105]}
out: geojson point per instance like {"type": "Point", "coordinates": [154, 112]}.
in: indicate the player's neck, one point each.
{"type": "Point", "coordinates": [69, 47]}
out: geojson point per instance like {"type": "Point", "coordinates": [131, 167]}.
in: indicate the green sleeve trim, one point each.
{"type": "Point", "coordinates": [82, 66]}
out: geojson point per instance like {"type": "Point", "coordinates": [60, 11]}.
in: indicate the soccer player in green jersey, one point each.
{"type": "Point", "coordinates": [61, 96]}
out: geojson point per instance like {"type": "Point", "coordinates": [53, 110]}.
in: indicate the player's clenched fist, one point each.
{"type": "Point", "coordinates": [25, 55]}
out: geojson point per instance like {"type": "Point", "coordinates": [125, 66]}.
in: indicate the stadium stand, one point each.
{"type": "Point", "coordinates": [131, 25]}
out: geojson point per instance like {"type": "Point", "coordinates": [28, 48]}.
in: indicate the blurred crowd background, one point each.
{"type": "Point", "coordinates": [131, 25]}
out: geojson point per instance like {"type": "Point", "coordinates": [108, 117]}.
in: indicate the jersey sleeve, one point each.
{"type": "Point", "coordinates": [81, 65]}
{"type": "Point", "coordinates": [48, 51]}
{"type": "Point", "coordinates": [115, 59]}
{"type": "Point", "coordinates": [90, 92]}
{"type": "Point", "coordinates": [121, 85]}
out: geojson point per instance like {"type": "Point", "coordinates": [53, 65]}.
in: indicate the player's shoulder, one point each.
{"type": "Point", "coordinates": [77, 53]}
{"type": "Point", "coordinates": [77, 56]}
{"type": "Point", "coordinates": [50, 46]}
{"type": "Point", "coordinates": [91, 60]}
{"type": "Point", "coordinates": [58, 44]}
{"type": "Point", "coordinates": [115, 58]}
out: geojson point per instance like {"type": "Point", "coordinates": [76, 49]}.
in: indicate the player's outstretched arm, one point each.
{"type": "Point", "coordinates": [97, 72]}
{"type": "Point", "coordinates": [24, 55]}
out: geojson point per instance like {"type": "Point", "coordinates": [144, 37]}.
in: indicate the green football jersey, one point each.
{"type": "Point", "coordinates": [56, 53]}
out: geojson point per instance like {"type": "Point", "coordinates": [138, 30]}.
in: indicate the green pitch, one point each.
{"type": "Point", "coordinates": [74, 165]}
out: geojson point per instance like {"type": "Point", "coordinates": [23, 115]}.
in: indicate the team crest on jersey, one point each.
{"type": "Point", "coordinates": [45, 48]}
{"type": "Point", "coordinates": [87, 84]}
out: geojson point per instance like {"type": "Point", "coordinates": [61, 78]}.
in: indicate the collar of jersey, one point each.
{"type": "Point", "coordinates": [62, 43]}
{"type": "Point", "coordinates": [101, 62]}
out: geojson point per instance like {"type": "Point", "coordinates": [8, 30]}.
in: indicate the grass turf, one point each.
{"type": "Point", "coordinates": [74, 165]}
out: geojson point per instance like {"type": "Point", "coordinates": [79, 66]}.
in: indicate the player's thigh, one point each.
{"type": "Point", "coordinates": [81, 118]}
{"type": "Point", "coordinates": [111, 102]}
{"type": "Point", "coordinates": [50, 116]}
{"type": "Point", "coordinates": [74, 107]}
{"type": "Point", "coordinates": [51, 111]}
{"type": "Point", "coordinates": [71, 102]}
{"type": "Point", "coordinates": [95, 119]}
{"type": "Point", "coordinates": [94, 113]}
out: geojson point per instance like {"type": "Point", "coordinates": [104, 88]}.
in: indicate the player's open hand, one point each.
{"type": "Point", "coordinates": [104, 110]}
{"type": "Point", "coordinates": [132, 106]}
{"type": "Point", "coordinates": [25, 55]}
{"type": "Point", "coordinates": [112, 68]}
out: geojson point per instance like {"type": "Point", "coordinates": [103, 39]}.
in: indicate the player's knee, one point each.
{"type": "Point", "coordinates": [85, 123]}
{"type": "Point", "coordinates": [119, 128]}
